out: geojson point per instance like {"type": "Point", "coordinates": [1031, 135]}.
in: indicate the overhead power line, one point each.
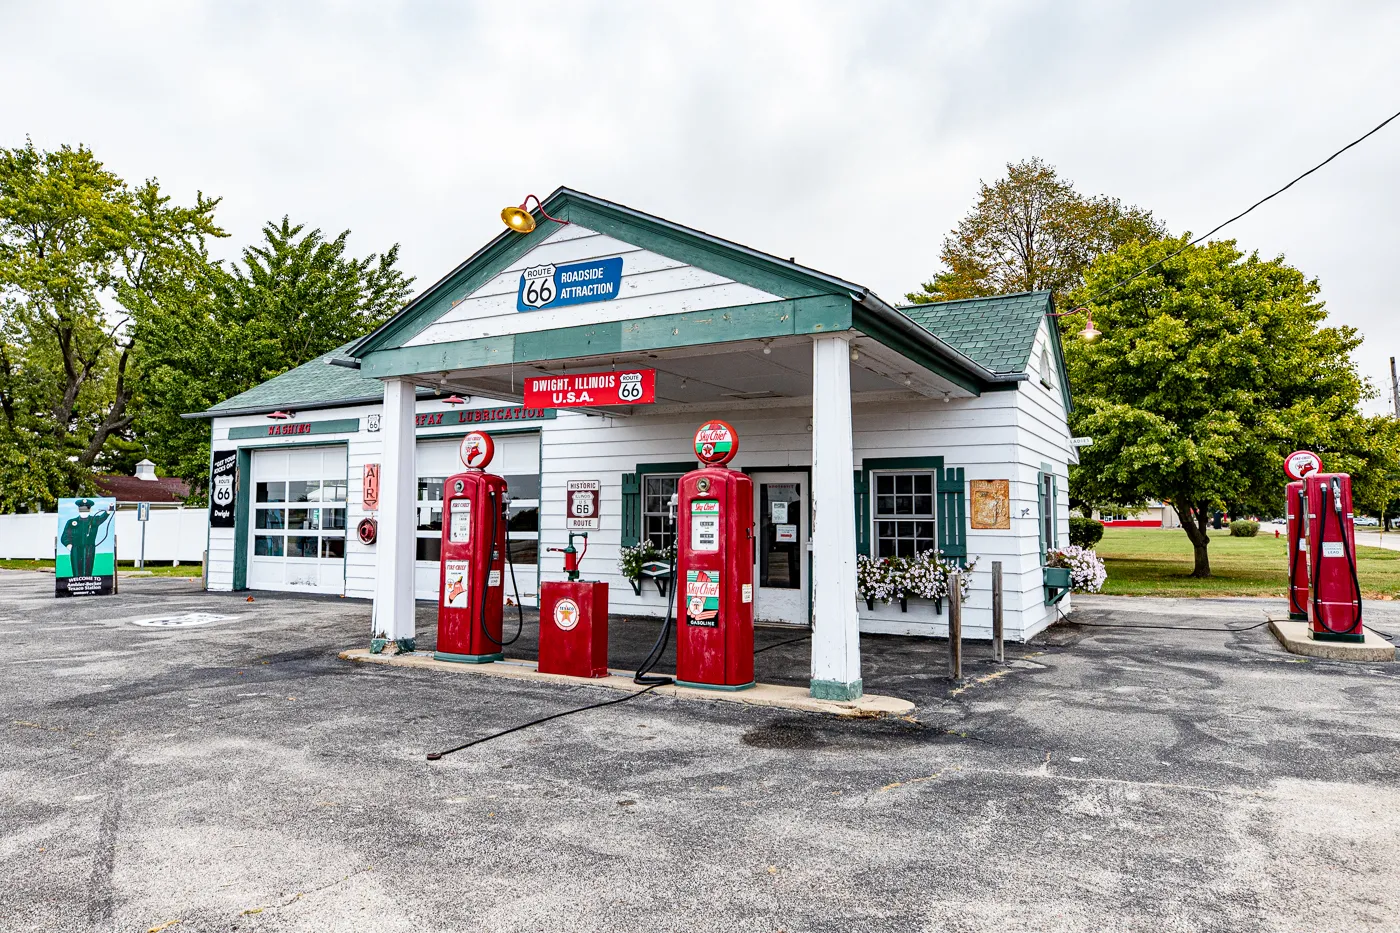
{"type": "Point", "coordinates": [1147, 269]}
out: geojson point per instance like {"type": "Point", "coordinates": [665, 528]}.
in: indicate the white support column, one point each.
{"type": "Point", "coordinates": [398, 493]}
{"type": "Point", "coordinates": [835, 621]}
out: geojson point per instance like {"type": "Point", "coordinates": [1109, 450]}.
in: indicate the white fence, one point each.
{"type": "Point", "coordinates": [171, 534]}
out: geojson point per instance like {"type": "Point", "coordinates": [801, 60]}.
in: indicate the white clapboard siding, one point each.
{"type": "Point", "coordinates": [652, 285]}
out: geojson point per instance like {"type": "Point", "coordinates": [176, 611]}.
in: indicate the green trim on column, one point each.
{"type": "Point", "coordinates": [836, 690]}
{"type": "Point", "coordinates": [242, 518]}
{"type": "Point", "coordinates": [811, 315]}
{"type": "Point", "coordinates": [401, 645]}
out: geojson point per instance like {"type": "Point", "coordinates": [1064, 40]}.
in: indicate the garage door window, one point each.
{"type": "Point", "coordinates": [299, 519]}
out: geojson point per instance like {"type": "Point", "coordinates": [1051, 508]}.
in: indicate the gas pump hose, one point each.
{"type": "Point", "coordinates": [1318, 616]}
{"type": "Point", "coordinates": [658, 649]}
{"type": "Point", "coordinates": [486, 586]}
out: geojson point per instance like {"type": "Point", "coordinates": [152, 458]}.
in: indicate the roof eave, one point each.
{"type": "Point", "coordinates": [922, 336]}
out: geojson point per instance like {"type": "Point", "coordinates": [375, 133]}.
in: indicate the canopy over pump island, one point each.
{"type": "Point", "coordinates": [589, 343]}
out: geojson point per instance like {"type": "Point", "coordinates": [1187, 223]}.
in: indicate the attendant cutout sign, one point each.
{"type": "Point", "coordinates": [85, 560]}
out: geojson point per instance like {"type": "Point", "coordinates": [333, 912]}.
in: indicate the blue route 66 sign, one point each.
{"type": "Point", "coordinates": [576, 283]}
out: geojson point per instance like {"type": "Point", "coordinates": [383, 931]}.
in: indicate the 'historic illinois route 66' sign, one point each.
{"type": "Point", "coordinates": [583, 505]}
{"type": "Point", "coordinates": [576, 283]}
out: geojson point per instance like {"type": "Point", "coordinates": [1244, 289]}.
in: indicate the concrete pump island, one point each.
{"type": "Point", "coordinates": [732, 432]}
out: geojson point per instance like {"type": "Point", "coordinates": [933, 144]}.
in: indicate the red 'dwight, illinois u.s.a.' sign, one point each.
{"type": "Point", "coordinates": [585, 390]}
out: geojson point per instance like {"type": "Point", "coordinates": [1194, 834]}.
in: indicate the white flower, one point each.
{"type": "Point", "coordinates": [1087, 572]}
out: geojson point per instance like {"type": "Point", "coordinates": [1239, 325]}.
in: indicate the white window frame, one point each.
{"type": "Point", "coordinates": [876, 516]}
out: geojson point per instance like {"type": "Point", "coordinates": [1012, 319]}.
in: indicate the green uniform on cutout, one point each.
{"type": "Point", "coordinates": [80, 536]}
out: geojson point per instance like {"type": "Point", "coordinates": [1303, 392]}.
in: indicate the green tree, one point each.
{"type": "Point", "coordinates": [291, 298]}
{"type": "Point", "coordinates": [1211, 368]}
{"type": "Point", "coordinates": [1030, 231]}
{"type": "Point", "coordinates": [80, 253]}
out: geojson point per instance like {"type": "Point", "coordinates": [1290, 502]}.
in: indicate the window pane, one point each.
{"type": "Point", "coordinates": [904, 547]}
{"type": "Point", "coordinates": [267, 545]}
{"type": "Point", "coordinates": [303, 519]}
{"type": "Point", "coordinates": [923, 529]}
{"type": "Point", "coordinates": [886, 548]}
{"type": "Point", "coordinates": [333, 490]}
{"type": "Point", "coordinates": [302, 545]}
{"type": "Point", "coordinates": [524, 485]}
{"type": "Point", "coordinates": [333, 519]}
{"type": "Point", "coordinates": [884, 505]}
{"type": "Point", "coordinates": [923, 483]}
{"type": "Point", "coordinates": [886, 529]}
{"type": "Point", "coordinates": [429, 518]}
{"type": "Point", "coordinates": [526, 519]}
{"type": "Point", "coordinates": [332, 547]}
{"type": "Point", "coordinates": [303, 490]}
{"type": "Point", "coordinates": [884, 485]}
{"type": "Point", "coordinates": [523, 551]}
{"type": "Point", "coordinates": [903, 483]}
{"type": "Point", "coordinates": [904, 505]}
{"type": "Point", "coordinates": [429, 549]}
{"type": "Point", "coordinates": [923, 505]}
{"type": "Point", "coordinates": [272, 492]}
{"type": "Point", "coordinates": [430, 488]}
{"type": "Point", "coordinates": [270, 518]}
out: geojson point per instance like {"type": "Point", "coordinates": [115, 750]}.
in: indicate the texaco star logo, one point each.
{"type": "Point", "coordinates": [566, 614]}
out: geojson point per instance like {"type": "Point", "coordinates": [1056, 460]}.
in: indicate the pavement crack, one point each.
{"type": "Point", "coordinates": [300, 894]}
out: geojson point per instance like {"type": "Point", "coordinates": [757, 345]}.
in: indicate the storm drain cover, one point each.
{"type": "Point", "coordinates": [183, 620]}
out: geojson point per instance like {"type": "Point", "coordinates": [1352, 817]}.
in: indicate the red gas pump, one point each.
{"type": "Point", "coordinates": [1334, 609]}
{"type": "Point", "coordinates": [714, 567]}
{"type": "Point", "coordinates": [473, 558]}
{"type": "Point", "coordinates": [1297, 552]}
{"type": "Point", "coordinates": [1297, 465]}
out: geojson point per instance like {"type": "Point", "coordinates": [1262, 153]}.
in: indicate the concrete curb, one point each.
{"type": "Point", "coordinates": [870, 706]}
{"type": "Point", "coordinates": [1293, 635]}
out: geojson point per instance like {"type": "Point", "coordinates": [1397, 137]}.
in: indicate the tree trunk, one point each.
{"type": "Point", "coordinates": [1195, 521]}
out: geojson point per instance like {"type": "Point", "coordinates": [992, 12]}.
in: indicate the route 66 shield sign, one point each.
{"type": "Point", "coordinates": [537, 286]}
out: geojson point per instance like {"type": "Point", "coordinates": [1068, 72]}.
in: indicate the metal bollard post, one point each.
{"type": "Point", "coordinates": [955, 626]}
{"type": "Point", "coordinates": [998, 649]}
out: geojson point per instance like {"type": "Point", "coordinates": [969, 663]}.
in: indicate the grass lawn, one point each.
{"type": "Point", "coordinates": [161, 570]}
{"type": "Point", "coordinates": [1158, 562]}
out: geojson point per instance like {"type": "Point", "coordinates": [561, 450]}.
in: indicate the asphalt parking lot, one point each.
{"type": "Point", "coordinates": [238, 776]}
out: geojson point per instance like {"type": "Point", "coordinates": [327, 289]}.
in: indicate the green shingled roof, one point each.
{"type": "Point", "coordinates": [997, 332]}
{"type": "Point", "coordinates": [317, 384]}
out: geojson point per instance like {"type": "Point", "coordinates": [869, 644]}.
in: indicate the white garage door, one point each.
{"type": "Point", "coordinates": [518, 460]}
{"type": "Point", "coordinates": [297, 540]}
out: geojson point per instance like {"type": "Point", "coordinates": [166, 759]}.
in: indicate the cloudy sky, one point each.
{"type": "Point", "coordinates": [850, 135]}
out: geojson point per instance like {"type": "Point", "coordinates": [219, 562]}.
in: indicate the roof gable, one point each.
{"type": "Point", "coordinates": [997, 332]}
{"type": "Point", "coordinates": [766, 277]}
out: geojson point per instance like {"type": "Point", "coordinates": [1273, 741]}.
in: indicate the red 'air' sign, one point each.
{"type": "Point", "coordinates": [586, 390]}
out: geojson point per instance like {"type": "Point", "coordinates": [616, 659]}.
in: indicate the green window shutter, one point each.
{"type": "Point", "coordinates": [1040, 514]}
{"type": "Point", "coordinates": [952, 513]}
{"type": "Point", "coordinates": [860, 481]}
{"type": "Point", "coordinates": [631, 509]}
{"type": "Point", "coordinates": [1054, 510]}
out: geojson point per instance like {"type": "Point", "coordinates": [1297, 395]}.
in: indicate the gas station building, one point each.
{"type": "Point", "coordinates": [866, 428]}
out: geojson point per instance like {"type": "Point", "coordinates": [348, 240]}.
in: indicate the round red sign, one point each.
{"type": "Point", "coordinates": [1300, 463]}
{"type": "Point", "coordinates": [716, 443]}
{"type": "Point", "coordinates": [477, 450]}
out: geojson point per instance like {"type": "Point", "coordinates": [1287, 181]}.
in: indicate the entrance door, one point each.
{"type": "Point", "coordinates": [781, 516]}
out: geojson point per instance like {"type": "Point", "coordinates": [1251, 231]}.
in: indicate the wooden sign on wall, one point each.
{"type": "Point", "coordinates": [991, 504]}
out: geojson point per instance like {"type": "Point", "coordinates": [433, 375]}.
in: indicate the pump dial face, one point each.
{"type": "Point", "coordinates": [716, 442]}
{"type": "Point", "coordinates": [1300, 463]}
{"type": "Point", "coordinates": [477, 450]}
